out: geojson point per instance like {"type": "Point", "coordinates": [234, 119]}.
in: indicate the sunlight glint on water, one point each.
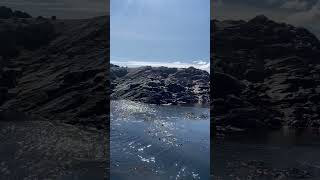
{"type": "Point", "coordinates": [159, 142]}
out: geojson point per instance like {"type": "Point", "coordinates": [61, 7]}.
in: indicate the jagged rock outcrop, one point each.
{"type": "Point", "coordinates": [54, 98]}
{"type": "Point", "coordinates": [19, 35]}
{"type": "Point", "coordinates": [278, 68]}
{"type": "Point", "coordinates": [6, 13]}
{"type": "Point", "coordinates": [161, 85]}
{"type": "Point", "coordinates": [56, 69]}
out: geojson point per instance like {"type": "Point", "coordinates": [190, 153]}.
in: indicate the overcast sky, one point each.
{"type": "Point", "coordinates": [304, 13]}
{"type": "Point", "coordinates": [160, 32]}
{"type": "Point", "coordinates": [71, 9]}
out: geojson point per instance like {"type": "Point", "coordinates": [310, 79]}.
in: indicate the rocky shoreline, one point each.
{"type": "Point", "coordinates": [161, 85]}
{"type": "Point", "coordinates": [55, 70]}
{"type": "Point", "coordinates": [265, 74]}
{"type": "Point", "coordinates": [53, 97]}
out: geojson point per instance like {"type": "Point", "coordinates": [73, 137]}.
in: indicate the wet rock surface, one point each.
{"type": "Point", "coordinates": [161, 85]}
{"type": "Point", "coordinates": [54, 98]}
{"type": "Point", "coordinates": [270, 69]}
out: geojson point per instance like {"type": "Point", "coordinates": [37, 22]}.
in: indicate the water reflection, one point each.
{"type": "Point", "coordinates": [286, 151]}
{"type": "Point", "coordinates": [159, 142]}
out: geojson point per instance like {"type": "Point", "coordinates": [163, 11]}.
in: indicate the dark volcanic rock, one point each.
{"type": "Point", "coordinates": [175, 88]}
{"type": "Point", "coordinates": [270, 69]}
{"type": "Point", "coordinates": [246, 118]}
{"type": "Point", "coordinates": [64, 77]}
{"type": "Point", "coordinates": [117, 71]}
{"type": "Point", "coordinates": [20, 14]}
{"type": "Point", "coordinates": [53, 97]}
{"type": "Point", "coordinates": [25, 34]}
{"type": "Point", "coordinates": [225, 84]}
{"type": "Point", "coordinates": [161, 85]}
{"type": "Point", "coordinates": [3, 94]}
{"type": "Point", "coordinates": [6, 13]}
{"type": "Point", "coordinates": [254, 75]}
{"type": "Point", "coordinates": [29, 34]}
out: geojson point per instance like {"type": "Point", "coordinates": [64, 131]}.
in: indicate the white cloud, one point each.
{"type": "Point", "coordinates": [200, 62]}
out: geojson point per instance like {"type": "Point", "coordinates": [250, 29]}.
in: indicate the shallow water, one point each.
{"type": "Point", "coordinates": [281, 149]}
{"type": "Point", "coordinates": [159, 142]}
{"type": "Point", "coordinates": [50, 150]}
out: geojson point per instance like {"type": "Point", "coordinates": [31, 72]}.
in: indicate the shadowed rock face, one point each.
{"type": "Point", "coordinates": [161, 85]}
{"type": "Point", "coordinates": [6, 13]}
{"type": "Point", "coordinates": [54, 98]}
{"type": "Point", "coordinates": [272, 71]}
{"type": "Point", "coordinates": [20, 34]}
{"type": "Point", "coordinates": [56, 69]}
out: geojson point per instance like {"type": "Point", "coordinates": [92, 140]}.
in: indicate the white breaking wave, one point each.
{"type": "Point", "coordinates": [200, 64]}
